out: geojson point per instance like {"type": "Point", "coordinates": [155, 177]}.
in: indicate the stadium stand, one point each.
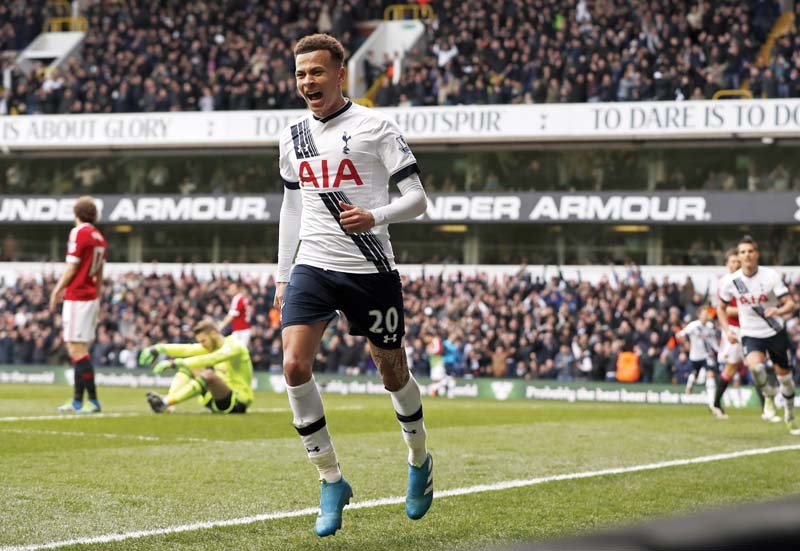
{"type": "Point", "coordinates": [520, 326]}
{"type": "Point", "coordinates": [777, 73]}
{"type": "Point", "coordinates": [224, 55]}
{"type": "Point", "coordinates": [20, 23]}
{"type": "Point", "coordinates": [183, 57]}
{"type": "Point", "coordinates": [554, 51]}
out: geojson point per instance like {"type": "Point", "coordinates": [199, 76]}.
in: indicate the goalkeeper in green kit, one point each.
{"type": "Point", "coordinates": [216, 368]}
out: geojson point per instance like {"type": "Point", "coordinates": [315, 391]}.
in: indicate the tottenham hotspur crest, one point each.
{"type": "Point", "coordinates": [346, 148]}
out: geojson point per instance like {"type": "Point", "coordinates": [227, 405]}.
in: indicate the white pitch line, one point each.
{"type": "Point", "coordinates": [498, 486]}
{"type": "Point", "coordinates": [112, 435]}
{"type": "Point", "coordinates": [83, 434]}
{"type": "Point", "coordinates": [69, 417]}
{"type": "Point", "coordinates": [72, 417]}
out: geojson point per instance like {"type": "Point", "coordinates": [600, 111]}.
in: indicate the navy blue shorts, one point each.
{"type": "Point", "coordinates": [372, 303]}
{"type": "Point", "coordinates": [776, 347]}
{"type": "Point", "coordinates": [697, 365]}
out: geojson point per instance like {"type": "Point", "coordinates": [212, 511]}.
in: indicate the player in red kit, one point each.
{"type": "Point", "coordinates": [81, 284]}
{"type": "Point", "coordinates": [238, 315]}
{"type": "Point", "coordinates": [730, 347]}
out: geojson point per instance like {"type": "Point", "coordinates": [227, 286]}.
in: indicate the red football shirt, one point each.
{"type": "Point", "coordinates": [87, 248]}
{"type": "Point", "coordinates": [734, 319]}
{"type": "Point", "coordinates": [239, 312]}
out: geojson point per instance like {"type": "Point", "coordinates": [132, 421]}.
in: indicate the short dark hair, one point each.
{"type": "Point", "coordinates": [748, 240]}
{"type": "Point", "coordinates": [314, 42]}
{"type": "Point", "coordinates": [205, 326]}
{"type": "Point", "coordinates": [85, 210]}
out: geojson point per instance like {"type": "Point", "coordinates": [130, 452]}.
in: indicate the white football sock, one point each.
{"type": "Point", "coordinates": [309, 420]}
{"type": "Point", "coordinates": [407, 404]}
{"type": "Point", "coordinates": [760, 378]}
{"type": "Point", "coordinates": [690, 382]}
{"type": "Point", "coordinates": [787, 390]}
{"type": "Point", "coordinates": [711, 390]}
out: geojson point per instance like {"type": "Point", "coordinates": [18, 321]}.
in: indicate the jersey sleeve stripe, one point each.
{"type": "Point", "coordinates": [291, 185]}
{"type": "Point", "coordinates": [73, 259]}
{"type": "Point", "coordinates": [404, 173]}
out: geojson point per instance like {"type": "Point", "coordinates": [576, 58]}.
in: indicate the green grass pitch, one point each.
{"type": "Point", "coordinates": [79, 478]}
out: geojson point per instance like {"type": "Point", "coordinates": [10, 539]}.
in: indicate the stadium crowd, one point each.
{"type": "Point", "coordinates": [179, 56]}
{"type": "Point", "coordinates": [21, 22]}
{"type": "Point", "coordinates": [224, 54]}
{"type": "Point", "coordinates": [526, 325]}
{"type": "Point", "coordinates": [558, 51]}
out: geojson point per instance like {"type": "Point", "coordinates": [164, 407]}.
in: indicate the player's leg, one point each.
{"type": "Point", "coordinates": [182, 383]}
{"type": "Point", "coordinates": [407, 402]}
{"type": "Point", "coordinates": [69, 317]}
{"type": "Point", "coordinates": [374, 305]}
{"type": "Point", "coordinates": [79, 332]}
{"type": "Point", "coordinates": [729, 357]}
{"type": "Point", "coordinates": [223, 399]}
{"type": "Point", "coordinates": [300, 344]}
{"type": "Point", "coordinates": [778, 353]}
{"type": "Point", "coordinates": [755, 358]}
{"type": "Point", "coordinates": [308, 306]}
{"type": "Point", "coordinates": [406, 399]}
{"type": "Point", "coordinates": [696, 367]}
{"type": "Point", "coordinates": [184, 387]}
{"type": "Point", "coordinates": [725, 378]}
{"type": "Point", "coordinates": [711, 386]}
{"type": "Point", "coordinates": [78, 357]}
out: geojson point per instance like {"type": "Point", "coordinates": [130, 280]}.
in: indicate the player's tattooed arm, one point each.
{"type": "Point", "coordinates": [393, 366]}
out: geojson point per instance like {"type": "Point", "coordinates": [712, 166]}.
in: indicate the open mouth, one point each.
{"type": "Point", "coordinates": [314, 96]}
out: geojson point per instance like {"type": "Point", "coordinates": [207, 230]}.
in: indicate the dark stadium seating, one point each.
{"type": "Point", "coordinates": [512, 326]}
{"type": "Point", "coordinates": [20, 23]}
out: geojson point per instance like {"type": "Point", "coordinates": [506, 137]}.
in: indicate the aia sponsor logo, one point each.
{"type": "Point", "coordinates": [321, 177]}
{"type": "Point", "coordinates": [752, 300]}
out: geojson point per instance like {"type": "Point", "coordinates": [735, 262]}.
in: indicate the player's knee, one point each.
{"type": "Point", "coordinates": [293, 365]}
{"type": "Point", "coordinates": [780, 371]}
{"type": "Point", "coordinates": [77, 349]}
{"type": "Point", "coordinates": [209, 375]}
{"type": "Point", "coordinates": [758, 367]}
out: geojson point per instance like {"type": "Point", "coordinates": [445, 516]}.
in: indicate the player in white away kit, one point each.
{"type": "Point", "coordinates": [763, 301]}
{"type": "Point", "coordinates": [702, 343]}
{"type": "Point", "coordinates": [238, 315]}
{"type": "Point", "coordinates": [336, 164]}
{"type": "Point", "coordinates": [730, 346]}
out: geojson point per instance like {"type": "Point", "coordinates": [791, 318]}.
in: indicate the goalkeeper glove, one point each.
{"type": "Point", "coordinates": [163, 365]}
{"type": "Point", "coordinates": [148, 355]}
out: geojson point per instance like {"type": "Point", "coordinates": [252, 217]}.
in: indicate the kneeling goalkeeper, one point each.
{"type": "Point", "coordinates": [216, 368]}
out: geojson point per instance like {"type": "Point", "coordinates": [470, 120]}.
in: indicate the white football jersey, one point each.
{"type": "Point", "coordinates": [349, 156]}
{"type": "Point", "coordinates": [753, 295]}
{"type": "Point", "coordinates": [702, 339]}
